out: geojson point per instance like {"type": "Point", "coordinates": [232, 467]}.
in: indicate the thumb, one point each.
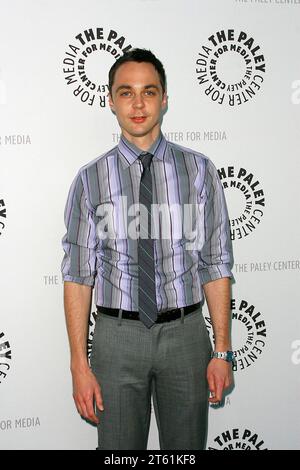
{"type": "Point", "coordinates": [98, 398]}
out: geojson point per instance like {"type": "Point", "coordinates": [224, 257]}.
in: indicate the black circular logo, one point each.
{"type": "Point", "coordinates": [249, 333]}
{"type": "Point", "coordinates": [87, 61]}
{"type": "Point", "coordinates": [245, 194]}
{"type": "Point", "coordinates": [238, 439]}
{"type": "Point", "coordinates": [230, 67]}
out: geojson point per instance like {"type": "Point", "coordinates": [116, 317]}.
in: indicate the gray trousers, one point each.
{"type": "Point", "coordinates": [168, 361]}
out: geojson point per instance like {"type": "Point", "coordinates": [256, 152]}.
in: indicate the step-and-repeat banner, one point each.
{"type": "Point", "coordinates": [234, 95]}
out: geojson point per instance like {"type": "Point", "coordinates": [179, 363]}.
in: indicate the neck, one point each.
{"type": "Point", "coordinates": [143, 142]}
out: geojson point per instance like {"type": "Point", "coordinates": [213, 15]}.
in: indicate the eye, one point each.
{"type": "Point", "coordinates": [125, 93]}
{"type": "Point", "coordinates": [150, 92]}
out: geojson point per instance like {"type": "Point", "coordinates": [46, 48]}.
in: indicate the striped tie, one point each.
{"type": "Point", "coordinates": [146, 269]}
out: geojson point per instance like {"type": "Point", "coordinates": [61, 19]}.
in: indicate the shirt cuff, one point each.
{"type": "Point", "coordinates": [87, 281]}
{"type": "Point", "coordinates": [211, 273]}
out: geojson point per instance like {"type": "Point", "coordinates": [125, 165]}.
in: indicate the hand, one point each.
{"type": "Point", "coordinates": [219, 377]}
{"type": "Point", "coordinates": [85, 390]}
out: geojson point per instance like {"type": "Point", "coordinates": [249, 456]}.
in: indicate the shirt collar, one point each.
{"type": "Point", "coordinates": [131, 152]}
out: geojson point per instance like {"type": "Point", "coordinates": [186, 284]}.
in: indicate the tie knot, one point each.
{"type": "Point", "coordinates": [146, 159]}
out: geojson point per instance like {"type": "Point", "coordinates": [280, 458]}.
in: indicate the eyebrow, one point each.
{"type": "Point", "coordinates": [128, 87]}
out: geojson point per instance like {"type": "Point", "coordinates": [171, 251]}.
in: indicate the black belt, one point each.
{"type": "Point", "coordinates": [162, 317]}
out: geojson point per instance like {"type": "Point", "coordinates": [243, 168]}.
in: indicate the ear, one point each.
{"type": "Point", "coordinates": [110, 102]}
{"type": "Point", "coordinates": [164, 102]}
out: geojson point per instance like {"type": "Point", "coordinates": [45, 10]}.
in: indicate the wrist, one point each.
{"type": "Point", "coordinates": [222, 345]}
{"type": "Point", "coordinates": [81, 366]}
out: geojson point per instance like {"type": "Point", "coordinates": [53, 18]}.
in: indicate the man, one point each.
{"type": "Point", "coordinates": [150, 335]}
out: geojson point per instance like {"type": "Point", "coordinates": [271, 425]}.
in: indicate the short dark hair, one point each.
{"type": "Point", "coordinates": [138, 55]}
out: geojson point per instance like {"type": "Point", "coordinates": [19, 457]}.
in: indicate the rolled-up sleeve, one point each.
{"type": "Point", "coordinates": [215, 255]}
{"type": "Point", "coordinates": [79, 242]}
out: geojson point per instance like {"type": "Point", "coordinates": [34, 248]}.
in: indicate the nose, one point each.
{"type": "Point", "coordinates": [138, 101]}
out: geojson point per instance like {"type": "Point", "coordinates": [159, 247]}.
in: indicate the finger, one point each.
{"type": "Point", "coordinates": [99, 401]}
{"type": "Point", "coordinates": [84, 413]}
{"type": "Point", "coordinates": [219, 390]}
{"type": "Point", "coordinates": [212, 389]}
{"type": "Point", "coordinates": [227, 383]}
{"type": "Point", "coordinates": [90, 411]}
{"type": "Point", "coordinates": [79, 409]}
{"type": "Point", "coordinates": [214, 398]}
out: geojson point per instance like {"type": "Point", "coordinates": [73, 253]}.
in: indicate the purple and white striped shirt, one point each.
{"type": "Point", "coordinates": [181, 178]}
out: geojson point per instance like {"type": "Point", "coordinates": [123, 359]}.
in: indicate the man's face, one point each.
{"type": "Point", "coordinates": [137, 99]}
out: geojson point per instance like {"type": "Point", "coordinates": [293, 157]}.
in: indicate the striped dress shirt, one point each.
{"type": "Point", "coordinates": [185, 259]}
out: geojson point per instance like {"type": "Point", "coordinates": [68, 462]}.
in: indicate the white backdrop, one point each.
{"type": "Point", "coordinates": [239, 105]}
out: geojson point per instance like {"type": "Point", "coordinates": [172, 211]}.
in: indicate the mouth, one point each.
{"type": "Point", "coordinates": [138, 119]}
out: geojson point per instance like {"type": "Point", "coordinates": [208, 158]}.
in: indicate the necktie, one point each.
{"type": "Point", "coordinates": [146, 269]}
